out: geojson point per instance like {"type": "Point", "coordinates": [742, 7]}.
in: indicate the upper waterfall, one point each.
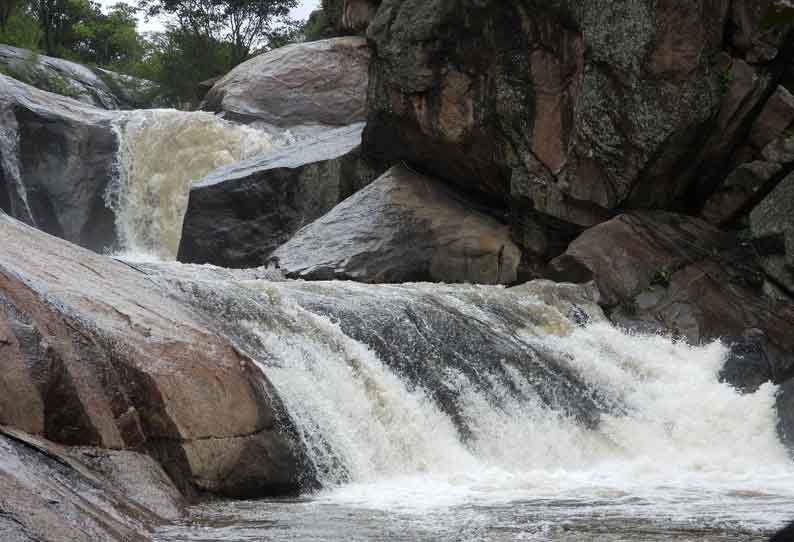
{"type": "Point", "coordinates": [161, 154]}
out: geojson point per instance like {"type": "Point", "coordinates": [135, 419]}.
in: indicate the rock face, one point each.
{"type": "Point", "coordinates": [98, 87]}
{"type": "Point", "coordinates": [670, 273]}
{"type": "Point", "coordinates": [322, 82]}
{"type": "Point", "coordinates": [48, 493]}
{"type": "Point", "coordinates": [572, 110]}
{"type": "Point", "coordinates": [238, 215]}
{"type": "Point", "coordinates": [774, 217]}
{"type": "Point", "coordinates": [56, 161]}
{"type": "Point", "coordinates": [97, 354]}
{"type": "Point", "coordinates": [522, 111]}
{"type": "Point", "coordinates": [404, 227]}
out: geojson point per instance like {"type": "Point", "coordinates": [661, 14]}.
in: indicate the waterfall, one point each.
{"type": "Point", "coordinates": [420, 395]}
{"type": "Point", "coordinates": [161, 154]}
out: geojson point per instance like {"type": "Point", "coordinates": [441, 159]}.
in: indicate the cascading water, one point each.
{"type": "Point", "coordinates": [433, 412]}
{"type": "Point", "coordinates": [161, 154]}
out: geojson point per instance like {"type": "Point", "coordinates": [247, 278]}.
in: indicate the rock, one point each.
{"type": "Point", "coordinates": [753, 361]}
{"type": "Point", "coordinates": [322, 82]}
{"type": "Point", "coordinates": [774, 216]}
{"type": "Point", "coordinates": [576, 107]}
{"type": "Point", "coordinates": [341, 17]}
{"type": "Point", "coordinates": [96, 353]}
{"type": "Point", "coordinates": [666, 273]}
{"type": "Point", "coordinates": [403, 227]}
{"type": "Point", "coordinates": [357, 14]}
{"type": "Point", "coordinates": [776, 116]}
{"type": "Point", "coordinates": [625, 255]}
{"type": "Point", "coordinates": [57, 158]}
{"type": "Point", "coordinates": [737, 190]}
{"type": "Point", "coordinates": [47, 494]}
{"type": "Point", "coordinates": [238, 215]}
{"type": "Point", "coordinates": [97, 87]}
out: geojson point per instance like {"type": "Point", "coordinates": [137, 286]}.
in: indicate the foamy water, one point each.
{"type": "Point", "coordinates": [680, 457]}
{"type": "Point", "coordinates": [162, 152]}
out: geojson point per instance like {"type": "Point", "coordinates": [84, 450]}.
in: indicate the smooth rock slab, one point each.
{"type": "Point", "coordinates": [322, 82]}
{"type": "Point", "coordinates": [238, 215]}
{"type": "Point", "coordinates": [97, 87]}
{"type": "Point", "coordinates": [404, 227]}
{"type": "Point", "coordinates": [97, 353]}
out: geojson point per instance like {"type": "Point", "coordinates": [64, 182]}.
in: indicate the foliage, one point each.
{"type": "Point", "coordinates": [244, 25]}
{"type": "Point", "coordinates": [25, 71]}
{"type": "Point", "coordinates": [19, 27]}
{"type": "Point", "coordinates": [726, 80]}
{"type": "Point", "coordinates": [662, 277]}
{"type": "Point", "coordinates": [207, 39]}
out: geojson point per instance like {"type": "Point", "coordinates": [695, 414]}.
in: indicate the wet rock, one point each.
{"type": "Point", "coordinates": [738, 189]}
{"type": "Point", "coordinates": [49, 495]}
{"type": "Point", "coordinates": [403, 227]}
{"type": "Point", "coordinates": [98, 87]}
{"type": "Point", "coordinates": [98, 354]}
{"type": "Point", "coordinates": [775, 216]}
{"type": "Point", "coordinates": [433, 335]}
{"type": "Point", "coordinates": [625, 255]}
{"type": "Point", "coordinates": [664, 273]}
{"type": "Point", "coordinates": [752, 361]}
{"type": "Point", "coordinates": [775, 117]}
{"type": "Point", "coordinates": [238, 215]}
{"type": "Point", "coordinates": [322, 82]}
{"type": "Point", "coordinates": [56, 162]}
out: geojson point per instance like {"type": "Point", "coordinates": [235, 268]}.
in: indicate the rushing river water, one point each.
{"type": "Point", "coordinates": [490, 442]}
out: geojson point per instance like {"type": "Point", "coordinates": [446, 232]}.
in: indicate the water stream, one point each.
{"type": "Point", "coordinates": [162, 152]}
{"type": "Point", "coordinates": [417, 434]}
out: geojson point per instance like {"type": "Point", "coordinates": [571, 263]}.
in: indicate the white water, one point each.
{"type": "Point", "coordinates": [161, 154]}
{"type": "Point", "coordinates": [689, 448]}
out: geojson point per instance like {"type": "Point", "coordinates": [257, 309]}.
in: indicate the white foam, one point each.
{"type": "Point", "coordinates": [162, 152]}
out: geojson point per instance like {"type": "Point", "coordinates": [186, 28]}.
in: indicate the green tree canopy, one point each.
{"type": "Point", "coordinates": [244, 24]}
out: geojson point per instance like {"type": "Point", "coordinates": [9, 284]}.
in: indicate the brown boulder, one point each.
{"type": "Point", "coordinates": [404, 227]}
{"type": "Point", "coordinates": [322, 82]}
{"type": "Point", "coordinates": [624, 255]}
{"type": "Point", "coordinates": [97, 354]}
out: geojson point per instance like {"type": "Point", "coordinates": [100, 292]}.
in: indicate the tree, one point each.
{"type": "Point", "coordinates": [243, 24]}
{"type": "Point", "coordinates": [110, 39]}
{"type": "Point", "coordinates": [7, 9]}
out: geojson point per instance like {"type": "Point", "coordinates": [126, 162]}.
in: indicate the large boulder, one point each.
{"type": "Point", "coordinates": [317, 83]}
{"type": "Point", "coordinates": [238, 215]}
{"type": "Point", "coordinates": [574, 105]}
{"type": "Point", "coordinates": [659, 272]}
{"type": "Point", "coordinates": [570, 110]}
{"type": "Point", "coordinates": [403, 227]}
{"type": "Point", "coordinates": [626, 254]}
{"type": "Point", "coordinates": [96, 353]}
{"type": "Point", "coordinates": [57, 159]}
{"type": "Point", "coordinates": [97, 87]}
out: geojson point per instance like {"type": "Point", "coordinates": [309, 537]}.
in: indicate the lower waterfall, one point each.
{"type": "Point", "coordinates": [162, 152]}
{"type": "Point", "coordinates": [428, 400]}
